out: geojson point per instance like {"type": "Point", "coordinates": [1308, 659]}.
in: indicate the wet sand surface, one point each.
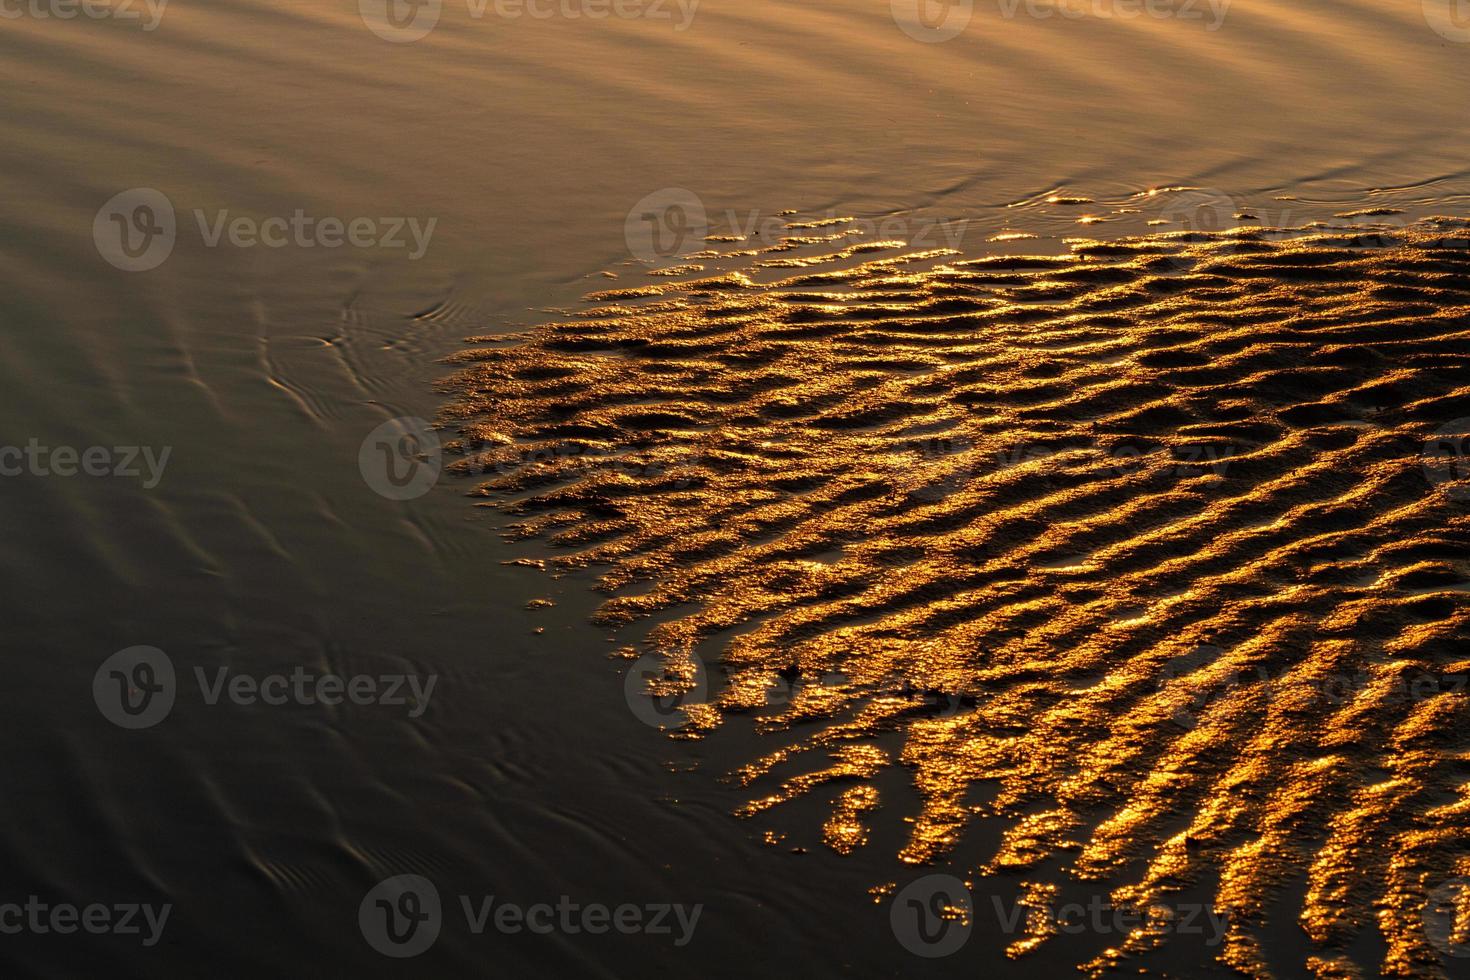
{"type": "Point", "coordinates": [1143, 541]}
{"type": "Point", "coordinates": [1013, 489]}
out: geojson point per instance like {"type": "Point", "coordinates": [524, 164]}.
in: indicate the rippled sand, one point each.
{"type": "Point", "coordinates": [1141, 538]}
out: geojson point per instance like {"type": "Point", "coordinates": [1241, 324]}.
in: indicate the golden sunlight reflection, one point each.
{"type": "Point", "coordinates": [1141, 538]}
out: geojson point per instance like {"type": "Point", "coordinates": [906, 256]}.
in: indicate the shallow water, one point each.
{"type": "Point", "coordinates": [528, 143]}
{"type": "Point", "coordinates": [1151, 541]}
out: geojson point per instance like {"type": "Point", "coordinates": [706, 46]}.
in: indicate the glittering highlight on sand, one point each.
{"type": "Point", "coordinates": [1103, 531]}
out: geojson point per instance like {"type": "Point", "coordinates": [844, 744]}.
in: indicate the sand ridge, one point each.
{"type": "Point", "coordinates": [1149, 536]}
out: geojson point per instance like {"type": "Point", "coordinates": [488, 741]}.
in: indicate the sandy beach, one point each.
{"type": "Point", "coordinates": [1157, 545]}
